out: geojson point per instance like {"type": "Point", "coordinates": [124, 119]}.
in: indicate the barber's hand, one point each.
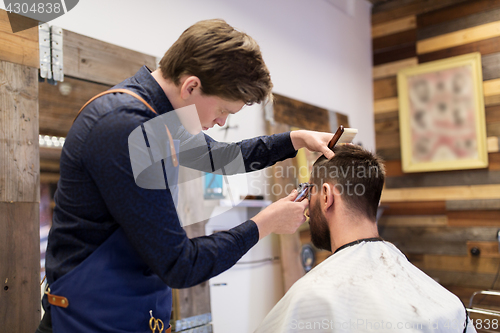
{"type": "Point", "coordinates": [314, 141]}
{"type": "Point", "coordinates": [282, 217]}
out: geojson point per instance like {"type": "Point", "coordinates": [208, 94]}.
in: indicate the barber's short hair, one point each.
{"type": "Point", "coordinates": [228, 62]}
{"type": "Point", "coordinates": [358, 174]}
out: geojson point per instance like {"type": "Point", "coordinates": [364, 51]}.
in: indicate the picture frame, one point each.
{"type": "Point", "coordinates": [441, 115]}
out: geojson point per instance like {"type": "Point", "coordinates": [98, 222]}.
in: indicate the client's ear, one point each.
{"type": "Point", "coordinates": [327, 196]}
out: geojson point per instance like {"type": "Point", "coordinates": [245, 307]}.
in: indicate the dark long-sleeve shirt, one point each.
{"type": "Point", "coordinates": [97, 194]}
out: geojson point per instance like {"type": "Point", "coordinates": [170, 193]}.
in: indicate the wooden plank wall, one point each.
{"type": "Point", "coordinates": [19, 179]}
{"type": "Point", "coordinates": [436, 218]}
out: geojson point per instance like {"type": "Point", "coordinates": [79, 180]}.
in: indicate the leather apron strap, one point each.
{"type": "Point", "coordinates": [175, 161]}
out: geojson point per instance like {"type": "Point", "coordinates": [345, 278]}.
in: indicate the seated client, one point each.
{"type": "Point", "coordinates": [367, 285]}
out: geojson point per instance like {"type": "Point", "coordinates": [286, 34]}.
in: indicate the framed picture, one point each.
{"type": "Point", "coordinates": [441, 115]}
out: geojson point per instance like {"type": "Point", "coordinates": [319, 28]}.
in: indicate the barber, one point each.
{"type": "Point", "coordinates": [115, 248]}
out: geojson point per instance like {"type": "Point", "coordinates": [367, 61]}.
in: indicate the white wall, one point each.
{"type": "Point", "coordinates": [316, 52]}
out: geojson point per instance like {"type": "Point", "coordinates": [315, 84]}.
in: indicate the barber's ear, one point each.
{"type": "Point", "coordinates": [189, 85]}
{"type": "Point", "coordinates": [327, 196]}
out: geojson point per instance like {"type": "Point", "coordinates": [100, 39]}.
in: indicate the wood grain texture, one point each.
{"type": "Point", "coordinates": [491, 66]}
{"type": "Point", "coordinates": [488, 249]}
{"type": "Point", "coordinates": [491, 87]}
{"type": "Point", "coordinates": [389, 154]}
{"type": "Point", "coordinates": [299, 114]}
{"type": "Point", "coordinates": [448, 178]}
{"type": "Point", "coordinates": [413, 221]}
{"type": "Point", "coordinates": [399, 52]}
{"type": "Point", "coordinates": [480, 218]}
{"type": "Point", "coordinates": [442, 240]}
{"type": "Point", "coordinates": [460, 37]}
{"type": "Point", "coordinates": [21, 47]}
{"type": "Point", "coordinates": [396, 39]}
{"type": "Point", "coordinates": [469, 21]}
{"type": "Point", "coordinates": [391, 27]}
{"type": "Point", "coordinates": [19, 266]}
{"type": "Point", "coordinates": [386, 88]}
{"type": "Point", "coordinates": [398, 9]}
{"type": "Point", "coordinates": [456, 11]}
{"type": "Point", "coordinates": [50, 154]}
{"type": "Point", "coordinates": [387, 140]}
{"type": "Point", "coordinates": [19, 158]}
{"type": "Point", "coordinates": [385, 105]}
{"type": "Point", "coordinates": [414, 208]}
{"type": "Point", "coordinates": [57, 111]}
{"type": "Point", "coordinates": [493, 204]}
{"type": "Point", "coordinates": [94, 60]}
{"type": "Point", "coordinates": [485, 47]}
{"type": "Point", "coordinates": [391, 69]}
{"type": "Point", "coordinates": [493, 128]}
{"type": "Point", "coordinates": [493, 144]}
{"type": "Point", "coordinates": [441, 193]}
{"type": "Point", "coordinates": [458, 263]}
{"type": "Point", "coordinates": [393, 168]}
{"type": "Point", "coordinates": [492, 113]}
{"type": "Point", "coordinates": [289, 244]}
{"type": "Point", "coordinates": [474, 280]}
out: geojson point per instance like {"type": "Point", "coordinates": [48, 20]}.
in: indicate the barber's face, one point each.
{"type": "Point", "coordinates": [320, 231]}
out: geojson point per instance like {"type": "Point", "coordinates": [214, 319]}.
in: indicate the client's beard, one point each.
{"type": "Point", "coordinates": [320, 231]}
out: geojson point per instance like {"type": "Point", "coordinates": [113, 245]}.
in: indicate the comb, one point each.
{"type": "Point", "coordinates": [342, 136]}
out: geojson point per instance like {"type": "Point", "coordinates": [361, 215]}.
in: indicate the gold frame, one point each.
{"type": "Point", "coordinates": [473, 59]}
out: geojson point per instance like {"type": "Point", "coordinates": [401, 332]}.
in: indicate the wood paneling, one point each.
{"type": "Point", "coordinates": [299, 114]}
{"type": "Point", "coordinates": [21, 47]}
{"type": "Point", "coordinates": [457, 263]}
{"type": "Point", "coordinates": [447, 178]}
{"type": "Point", "coordinates": [493, 204]}
{"type": "Point", "coordinates": [491, 66]}
{"type": "Point", "coordinates": [98, 61]}
{"type": "Point", "coordinates": [436, 217]}
{"type": "Point", "coordinates": [493, 128]}
{"type": "Point", "coordinates": [454, 12]}
{"type": "Point", "coordinates": [469, 21]}
{"type": "Point", "coordinates": [488, 249]}
{"type": "Point", "coordinates": [403, 37]}
{"type": "Point", "coordinates": [391, 69]}
{"type": "Point", "coordinates": [460, 37]}
{"type": "Point", "coordinates": [484, 218]}
{"type": "Point", "coordinates": [466, 279]}
{"type": "Point", "coordinates": [386, 88]}
{"type": "Point", "coordinates": [443, 240]}
{"type": "Point", "coordinates": [385, 105]}
{"type": "Point", "coordinates": [392, 54]}
{"type": "Point", "coordinates": [492, 144]}
{"type": "Point", "coordinates": [19, 159]}
{"type": "Point", "coordinates": [415, 208]}
{"type": "Point", "coordinates": [398, 9]}
{"type": "Point", "coordinates": [486, 46]}
{"type": "Point", "coordinates": [491, 87]}
{"type": "Point", "coordinates": [19, 199]}
{"type": "Point", "coordinates": [57, 111]}
{"type": "Point", "coordinates": [391, 27]}
{"type": "Point", "coordinates": [413, 221]}
{"type": "Point", "coordinates": [492, 100]}
{"type": "Point", "coordinates": [389, 154]}
{"type": "Point", "coordinates": [19, 266]}
{"type": "Point", "coordinates": [393, 168]}
{"type": "Point", "coordinates": [442, 193]}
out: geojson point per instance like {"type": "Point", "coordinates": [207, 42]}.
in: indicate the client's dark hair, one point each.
{"type": "Point", "coordinates": [357, 173]}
